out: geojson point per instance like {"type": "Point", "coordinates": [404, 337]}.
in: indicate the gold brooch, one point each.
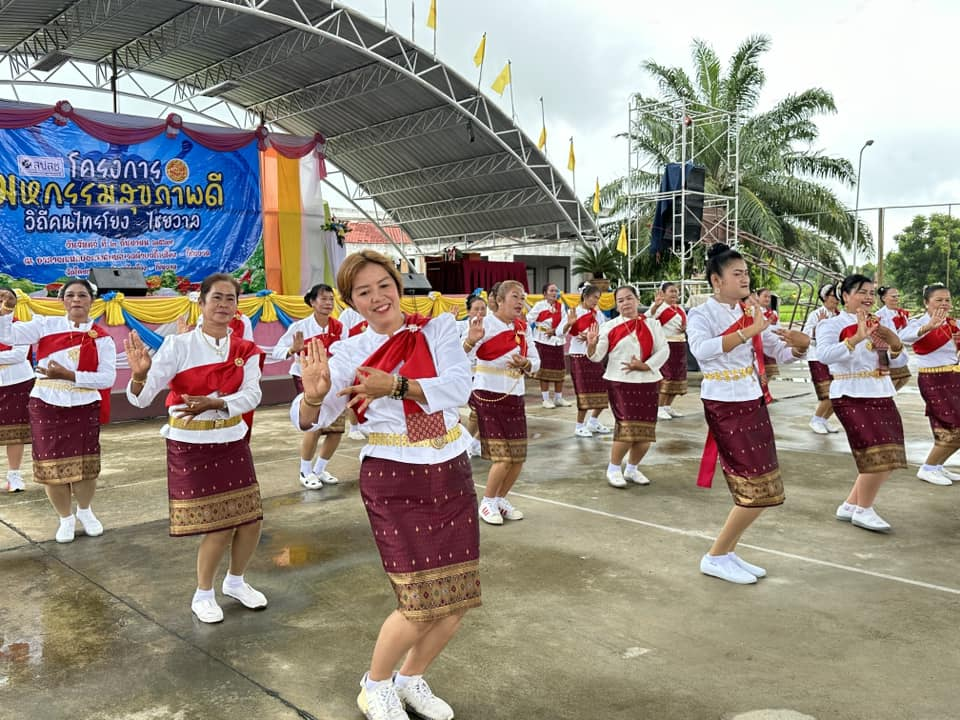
{"type": "Point", "coordinates": [238, 362]}
{"type": "Point", "coordinates": [438, 442]}
{"type": "Point", "coordinates": [92, 333]}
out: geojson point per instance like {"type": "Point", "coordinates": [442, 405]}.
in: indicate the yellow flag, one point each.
{"type": "Point", "coordinates": [481, 51]}
{"type": "Point", "coordinates": [542, 142]}
{"type": "Point", "coordinates": [572, 160]}
{"type": "Point", "coordinates": [432, 15]}
{"type": "Point", "coordinates": [596, 199]}
{"type": "Point", "coordinates": [622, 240]}
{"type": "Point", "coordinates": [502, 80]}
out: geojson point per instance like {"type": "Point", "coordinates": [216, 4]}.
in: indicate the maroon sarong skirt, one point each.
{"type": "Point", "coordinates": [674, 371]}
{"type": "Point", "coordinates": [820, 374]}
{"type": "Point", "coordinates": [337, 426]}
{"type": "Point", "coordinates": [502, 423]}
{"type": "Point", "coordinates": [211, 486]}
{"type": "Point", "coordinates": [552, 368]}
{"type": "Point", "coordinates": [588, 383]}
{"type": "Point", "coordinates": [634, 405]}
{"type": "Point", "coordinates": [941, 393]}
{"type": "Point", "coordinates": [424, 521]}
{"type": "Point", "coordinates": [874, 431]}
{"type": "Point", "coordinates": [14, 416]}
{"type": "Point", "coordinates": [66, 442]}
{"type": "Point", "coordinates": [748, 452]}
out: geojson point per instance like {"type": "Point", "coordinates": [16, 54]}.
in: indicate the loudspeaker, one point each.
{"type": "Point", "coordinates": [129, 281]}
{"type": "Point", "coordinates": [415, 284]}
{"type": "Point", "coordinates": [693, 210]}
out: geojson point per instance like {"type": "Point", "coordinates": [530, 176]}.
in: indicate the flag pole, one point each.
{"type": "Point", "coordinates": [513, 111]}
{"type": "Point", "coordinates": [543, 125]}
{"type": "Point", "coordinates": [483, 59]}
{"type": "Point", "coordinates": [413, 21]}
{"type": "Point", "coordinates": [573, 172]}
{"type": "Point", "coordinates": [435, 25]}
{"type": "Point", "coordinates": [385, 23]}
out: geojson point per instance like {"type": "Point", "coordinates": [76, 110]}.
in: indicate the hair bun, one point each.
{"type": "Point", "coordinates": [717, 249]}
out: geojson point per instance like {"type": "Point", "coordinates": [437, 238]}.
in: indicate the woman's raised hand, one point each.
{"type": "Point", "coordinates": [315, 372]}
{"type": "Point", "coordinates": [138, 357]}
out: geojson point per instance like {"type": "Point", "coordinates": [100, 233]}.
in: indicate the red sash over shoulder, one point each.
{"type": "Point", "coordinates": [670, 313]}
{"type": "Point", "coordinates": [708, 461]}
{"type": "Point", "coordinates": [936, 338]}
{"type": "Point", "coordinates": [224, 377]}
{"type": "Point", "coordinates": [637, 326]}
{"type": "Point", "coordinates": [582, 324]}
{"type": "Point", "coordinates": [772, 316]}
{"type": "Point", "coordinates": [553, 313]}
{"type": "Point", "coordinates": [3, 347]}
{"type": "Point", "coordinates": [333, 334]}
{"type": "Point", "coordinates": [357, 329]}
{"type": "Point", "coordinates": [89, 358]}
{"type": "Point", "coordinates": [901, 318]}
{"type": "Point", "coordinates": [506, 342]}
{"type": "Point", "coordinates": [237, 325]}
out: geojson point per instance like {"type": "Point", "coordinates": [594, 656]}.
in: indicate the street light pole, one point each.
{"type": "Point", "coordinates": [856, 208]}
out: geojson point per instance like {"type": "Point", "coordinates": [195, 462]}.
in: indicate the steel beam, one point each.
{"type": "Point", "coordinates": [440, 174]}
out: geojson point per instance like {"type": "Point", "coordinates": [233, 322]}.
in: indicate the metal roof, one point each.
{"type": "Point", "coordinates": [407, 132]}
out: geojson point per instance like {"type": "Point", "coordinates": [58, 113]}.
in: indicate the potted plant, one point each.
{"type": "Point", "coordinates": [601, 261]}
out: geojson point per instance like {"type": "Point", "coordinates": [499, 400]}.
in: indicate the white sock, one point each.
{"type": "Point", "coordinates": [13, 474]}
{"type": "Point", "coordinates": [233, 580]}
{"type": "Point", "coordinates": [631, 468]}
{"type": "Point", "coordinates": [546, 396]}
{"type": "Point", "coordinates": [496, 501]}
{"type": "Point", "coordinates": [593, 421]}
{"type": "Point", "coordinates": [371, 685]}
{"type": "Point", "coordinates": [68, 518]}
{"type": "Point", "coordinates": [818, 419]}
{"type": "Point", "coordinates": [204, 595]}
{"type": "Point", "coordinates": [931, 468]}
{"type": "Point", "coordinates": [304, 467]}
{"type": "Point", "coordinates": [489, 500]}
{"type": "Point", "coordinates": [612, 468]}
{"type": "Point", "coordinates": [320, 465]}
{"type": "Point", "coordinates": [401, 680]}
{"type": "Point", "coordinates": [579, 426]}
{"type": "Point", "coordinates": [84, 512]}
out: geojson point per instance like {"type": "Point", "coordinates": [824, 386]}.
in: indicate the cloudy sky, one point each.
{"type": "Point", "coordinates": [890, 64]}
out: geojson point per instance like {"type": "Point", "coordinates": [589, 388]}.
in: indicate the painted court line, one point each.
{"type": "Point", "coordinates": [770, 551]}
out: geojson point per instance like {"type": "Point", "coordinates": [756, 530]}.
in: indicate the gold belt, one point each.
{"type": "Point", "coordinates": [858, 375]}
{"type": "Point", "coordinates": [402, 440]}
{"type": "Point", "coordinates": [219, 424]}
{"type": "Point", "coordinates": [729, 375]}
{"type": "Point", "coordinates": [57, 384]}
{"type": "Point", "coordinates": [676, 338]}
{"type": "Point", "coordinates": [939, 369]}
{"type": "Point", "coordinates": [491, 370]}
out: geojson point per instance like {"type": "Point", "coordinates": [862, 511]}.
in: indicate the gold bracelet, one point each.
{"type": "Point", "coordinates": [850, 346]}
{"type": "Point", "coordinates": [467, 345]}
{"type": "Point", "coordinates": [895, 353]}
{"type": "Point", "coordinates": [135, 381]}
{"type": "Point", "coordinates": [311, 404]}
{"type": "Point", "coordinates": [743, 338]}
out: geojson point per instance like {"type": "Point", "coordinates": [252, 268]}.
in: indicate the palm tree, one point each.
{"type": "Point", "coordinates": [782, 196]}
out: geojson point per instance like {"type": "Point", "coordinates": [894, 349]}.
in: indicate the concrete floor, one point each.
{"type": "Point", "coordinates": [593, 606]}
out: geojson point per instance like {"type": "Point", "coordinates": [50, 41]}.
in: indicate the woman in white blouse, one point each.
{"type": "Point", "coordinates": [547, 318]}
{"type": "Point", "coordinates": [820, 373]}
{"type": "Point", "coordinates": [406, 377]}
{"type": "Point", "coordinates": [666, 309]}
{"type": "Point", "coordinates": [16, 382]}
{"type": "Point", "coordinates": [933, 337]}
{"type": "Point", "coordinates": [76, 368]}
{"type": "Point", "coordinates": [588, 381]}
{"type": "Point", "coordinates": [729, 339]}
{"type": "Point", "coordinates": [896, 318]}
{"type": "Point", "coordinates": [636, 349]}
{"type": "Point", "coordinates": [857, 348]}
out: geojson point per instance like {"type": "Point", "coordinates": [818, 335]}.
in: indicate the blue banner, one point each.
{"type": "Point", "coordinates": [69, 202]}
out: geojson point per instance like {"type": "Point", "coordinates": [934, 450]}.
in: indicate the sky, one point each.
{"type": "Point", "coordinates": [890, 65]}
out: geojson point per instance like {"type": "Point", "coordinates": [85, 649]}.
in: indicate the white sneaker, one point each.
{"type": "Point", "coordinates": [615, 478]}
{"type": "Point", "coordinates": [754, 570]}
{"type": "Point", "coordinates": [726, 569]}
{"type": "Point", "coordinates": [934, 477]}
{"type": "Point", "coordinates": [819, 426]}
{"type": "Point", "coordinates": [548, 404]}
{"type": "Point", "coordinates": [508, 511]}
{"type": "Point", "coordinates": [311, 481]}
{"type": "Point", "coordinates": [599, 429]}
{"type": "Point", "coordinates": [253, 599]}
{"type": "Point", "coordinates": [562, 402]}
{"type": "Point", "coordinates": [381, 704]}
{"type": "Point", "coordinates": [15, 483]}
{"type": "Point", "coordinates": [88, 521]}
{"type": "Point", "coordinates": [868, 519]}
{"type": "Point", "coordinates": [490, 513]}
{"type": "Point", "coordinates": [636, 476]}
{"type": "Point", "coordinates": [67, 529]}
{"type": "Point", "coordinates": [831, 428]}
{"type": "Point", "coordinates": [207, 610]}
{"type": "Point", "coordinates": [583, 431]}
{"type": "Point", "coordinates": [845, 511]}
{"type": "Point", "coordinates": [328, 479]}
{"type": "Point", "coordinates": [951, 476]}
{"type": "Point", "coordinates": [673, 413]}
{"type": "Point", "coordinates": [417, 696]}
{"type": "Point", "coordinates": [664, 414]}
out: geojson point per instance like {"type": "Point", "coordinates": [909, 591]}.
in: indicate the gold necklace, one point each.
{"type": "Point", "coordinates": [221, 349]}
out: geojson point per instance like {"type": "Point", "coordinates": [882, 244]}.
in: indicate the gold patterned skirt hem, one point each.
{"type": "Point", "coordinates": [673, 387]}
{"type": "Point", "coordinates": [762, 491]}
{"type": "Point", "coordinates": [64, 471]}
{"type": "Point", "coordinates": [18, 434]}
{"type": "Point", "coordinates": [592, 401]}
{"type": "Point", "coordinates": [633, 431]}
{"type": "Point", "coordinates": [428, 595]}
{"type": "Point", "coordinates": [880, 458]}
{"type": "Point", "coordinates": [212, 513]}
{"type": "Point", "coordinates": [506, 451]}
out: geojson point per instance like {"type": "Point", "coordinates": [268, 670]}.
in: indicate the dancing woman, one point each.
{"type": "Point", "coordinates": [896, 318]}
{"type": "Point", "coordinates": [637, 349]}
{"type": "Point", "coordinates": [406, 377]}
{"type": "Point", "coordinates": [504, 355]}
{"type": "Point", "coordinates": [858, 348]}
{"type": "Point", "coordinates": [476, 312]}
{"type": "Point", "coordinates": [666, 309]}
{"type": "Point", "coordinates": [213, 378]}
{"type": "Point", "coordinates": [76, 368]}
{"type": "Point", "coordinates": [934, 337]}
{"type": "Point", "coordinates": [820, 373]}
{"type": "Point", "coordinates": [588, 381]}
{"type": "Point", "coordinates": [765, 298]}
{"type": "Point", "coordinates": [729, 340]}
{"type": "Point", "coordinates": [546, 316]}
{"type": "Point", "coordinates": [16, 382]}
{"type": "Point", "coordinates": [317, 327]}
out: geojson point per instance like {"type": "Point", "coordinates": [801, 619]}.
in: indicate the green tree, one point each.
{"type": "Point", "coordinates": [928, 252]}
{"type": "Point", "coordinates": [783, 198]}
